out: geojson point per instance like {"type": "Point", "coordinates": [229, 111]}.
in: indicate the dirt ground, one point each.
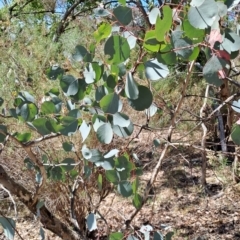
{"type": "Point", "coordinates": [177, 202]}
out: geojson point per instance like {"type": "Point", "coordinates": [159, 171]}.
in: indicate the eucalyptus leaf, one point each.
{"type": "Point", "coordinates": [155, 70]}
{"type": "Point", "coordinates": [105, 133]}
{"type": "Point", "coordinates": [84, 130]}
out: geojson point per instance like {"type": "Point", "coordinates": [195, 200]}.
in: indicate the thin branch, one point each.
{"type": "Point", "coordinates": [159, 163]}
{"type": "Point", "coordinates": [203, 141]}
{"type": "Point", "coordinates": [10, 195]}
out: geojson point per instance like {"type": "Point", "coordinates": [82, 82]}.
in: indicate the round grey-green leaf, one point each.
{"type": "Point", "coordinates": [204, 15]}
{"type": "Point", "coordinates": [155, 70]}
{"type": "Point", "coordinates": [131, 87]}
{"type": "Point", "coordinates": [144, 99]}
{"type": "Point", "coordinates": [123, 15]}
{"type": "Point", "coordinates": [105, 133]}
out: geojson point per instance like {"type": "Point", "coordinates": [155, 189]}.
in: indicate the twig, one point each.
{"type": "Point", "coordinates": [10, 195]}
{"type": "Point", "coordinates": [203, 141]}
{"type": "Point", "coordinates": [159, 164]}
{"type": "Point", "coordinates": [221, 105]}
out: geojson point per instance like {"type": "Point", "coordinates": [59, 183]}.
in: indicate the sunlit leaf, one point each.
{"type": "Point", "coordinates": [84, 130]}
{"type": "Point", "coordinates": [204, 15]}
{"type": "Point", "coordinates": [105, 133]}
{"type": "Point", "coordinates": [103, 31]}
{"type": "Point", "coordinates": [155, 70]}
{"type": "Point", "coordinates": [154, 13]}
{"type": "Point", "coordinates": [164, 24]}
{"type": "Point", "coordinates": [131, 87]}
{"type": "Point", "coordinates": [69, 85]}
{"type": "Point", "coordinates": [110, 103]}
{"type": "Point", "coordinates": [117, 49]}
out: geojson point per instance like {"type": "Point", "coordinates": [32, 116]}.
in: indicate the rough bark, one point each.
{"type": "Point", "coordinates": [48, 220]}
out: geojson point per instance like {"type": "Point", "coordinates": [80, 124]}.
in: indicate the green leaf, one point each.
{"type": "Point", "coordinates": [69, 85]}
{"type": "Point", "coordinates": [117, 48]}
{"type": "Point", "coordinates": [53, 126]}
{"type": "Point", "coordinates": [169, 235]}
{"type": "Point", "coordinates": [79, 53]}
{"type": "Point", "coordinates": [68, 146]}
{"type": "Point", "coordinates": [24, 137]}
{"type": "Point", "coordinates": [103, 31]}
{"type": "Point", "coordinates": [144, 99]}
{"type": "Point", "coordinates": [167, 56]}
{"type": "Point", "coordinates": [157, 236]}
{"type": "Point", "coordinates": [55, 72]}
{"type": "Point", "coordinates": [107, 164]}
{"type": "Point", "coordinates": [116, 236]}
{"type": "Point", "coordinates": [155, 70]}
{"type": "Point", "coordinates": [100, 182]}
{"type": "Point", "coordinates": [235, 135]}
{"type": "Point", "coordinates": [204, 15]}
{"type": "Point", "coordinates": [150, 42]}
{"type": "Point", "coordinates": [112, 81]}
{"type": "Point", "coordinates": [84, 130]}
{"type": "Point", "coordinates": [93, 72]}
{"type": "Point", "coordinates": [211, 68]}
{"type": "Point", "coordinates": [156, 142]}
{"type": "Point", "coordinates": [98, 121]}
{"type": "Point", "coordinates": [96, 156]}
{"type": "Point", "coordinates": [69, 124]}
{"type": "Point", "coordinates": [164, 24]}
{"type": "Point", "coordinates": [81, 91]}
{"type": "Point", "coordinates": [74, 113]}
{"type": "Point", "coordinates": [56, 173]}
{"type": "Point", "coordinates": [125, 188]}
{"type": "Point", "coordinates": [123, 15]}
{"type": "Point", "coordinates": [137, 201]}
{"type": "Point", "coordinates": [153, 15]}
{"type": "Point", "coordinates": [112, 176]}
{"type": "Point", "coordinates": [54, 92]}
{"type": "Point", "coordinates": [8, 225]}
{"type": "Point", "coordinates": [29, 112]}
{"type": "Point", "coordinates": [48, 107]}
{"type": "Point", "coordinates": [69, 164]}
{"type": "Point", "coordinates": [100, 92]}
{"type": "Point", "coordinates": [121, 120]}
{"type": "Point", "coordinates": [40, 125]}
{"type": "Point", "coordinates": [183, 44]}
{"type": "Point", "coordinates": [195, 34]}
{"type": "Point", "coordinates": [110, 103]}
{"type": "Point", "coordinates": [123, 131]}
{"type": "Point", "coordinates": [105, 133]}
{"type": "Point", "coordinates": [131, 87]}
{"type": "Point", "coordinates": [135, 185]}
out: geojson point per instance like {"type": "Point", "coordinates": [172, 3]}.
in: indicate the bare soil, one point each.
{"type": "Point", "coordinates": [177, 202]}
